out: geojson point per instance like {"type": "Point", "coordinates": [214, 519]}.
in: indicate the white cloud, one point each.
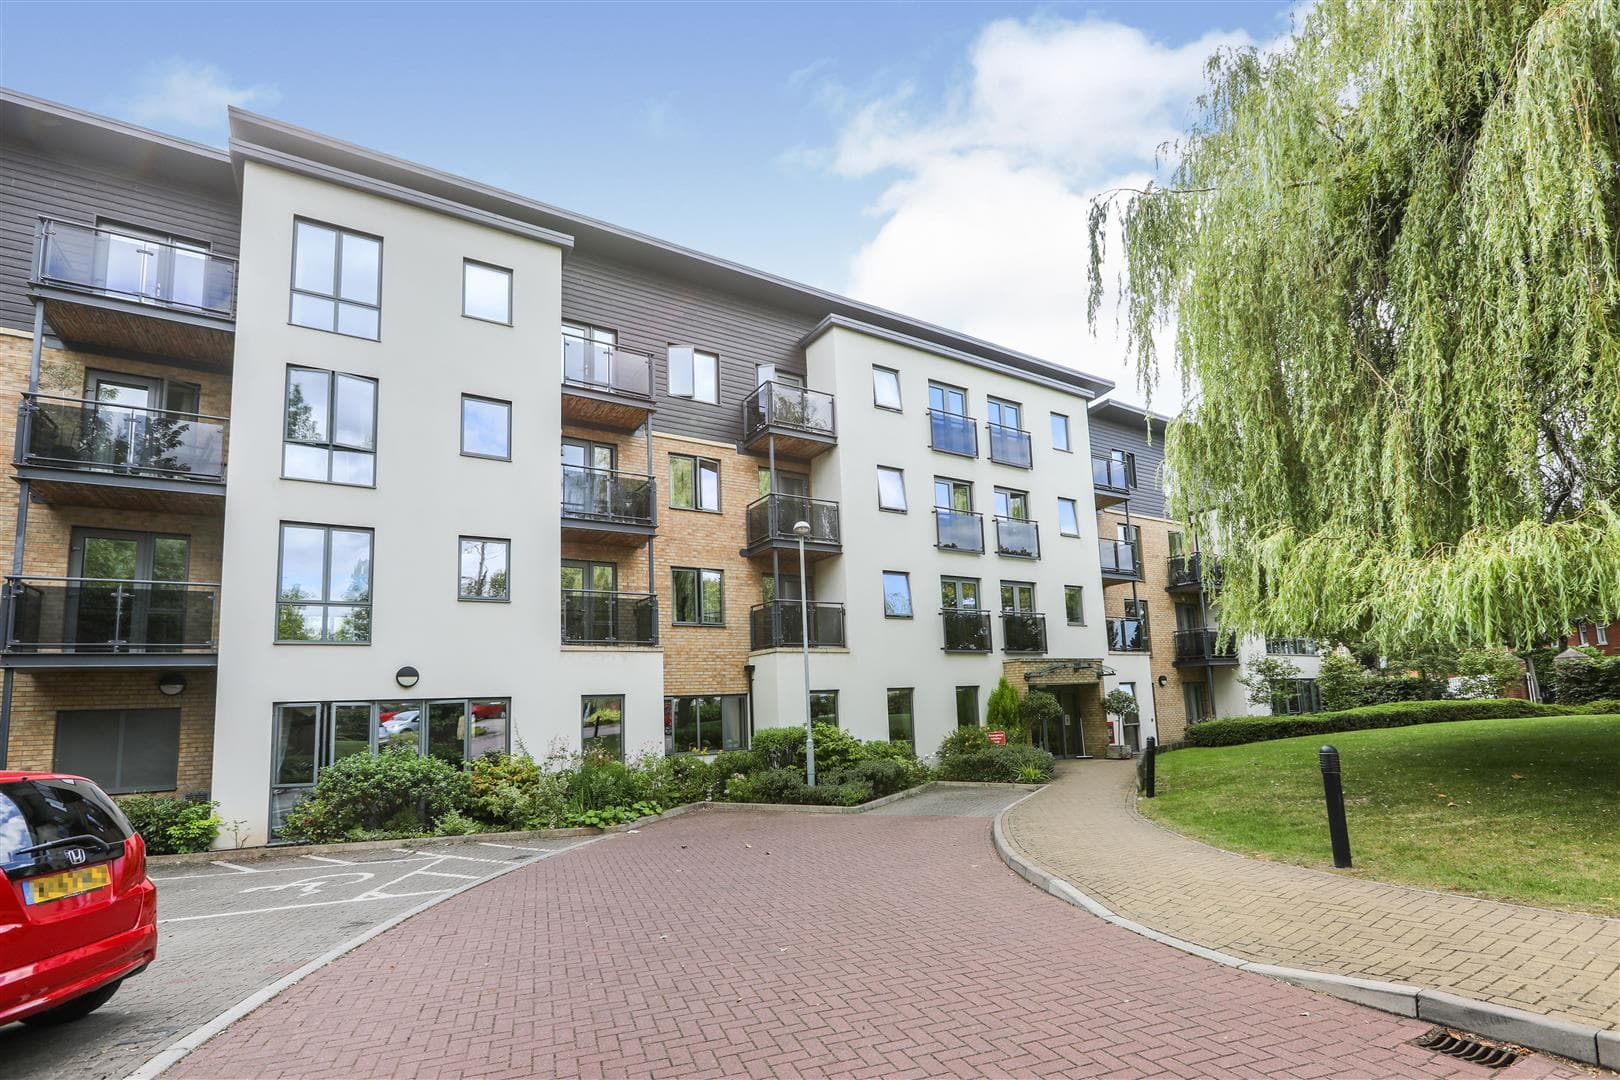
{"type": "Point", "coordinates": [191, 95]}
{"type": "Point", "coordinates": [983, 227]}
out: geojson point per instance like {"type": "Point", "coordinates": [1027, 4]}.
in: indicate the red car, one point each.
{"type": "Point", "coordinates": [78, 915]}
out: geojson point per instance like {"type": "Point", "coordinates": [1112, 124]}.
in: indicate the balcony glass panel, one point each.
{"type": "Point", "coordinates": [953, 433]}
{"type": "Point", "coordinates": [140, 269]}
{"type": "Point", "coordinates": [599, 366]}
{"type": "Point", "coordinates": [1119, 557]}
{"type": "Point", "coordinates": [784, 405]}
{"type": "Point", "coordinates": [959, 530]}
{"type": "Point", "coordinates": [609, 618]}
{"type": "Point", "coordinates": [780, 625]}
{"type": "Point", "coordinates": [1204, 644]}
{"type": "Point", "coordinates": [607, 495]}
{"type": "Point", "coordinates": [966, 631]}
{"type": "Point", "coordinates": [773, 518]}
{"type": "Point", "coordinates": [1106, 472]}
{"type": "Point", "coordinates": [1009, 446]}
{"type": "Point", "coordinates": [1023, 632]}
{"type": "Point", "coordinates": [94, 615]}
{"type": "Point", "coordinates": [98, 437]}
{"type": "Point", "coordinates": [1127, 635]}
{"type": "Point", "coordinates": [1015, 536]}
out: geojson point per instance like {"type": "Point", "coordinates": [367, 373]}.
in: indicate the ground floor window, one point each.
{"type": "Point", "coordinates": [1194, 702]}
{"type": "Point", "coordinates": [1305, 698]}
{"type": "Point", "coordinates": [602, 724]}
{"type": "Point", "coordinates": [967, 706]}
{"type": "Point", "coordinates": [123, 750]}
{"type": "Point", "coordinates": [902, 725]}
{"type": "Point", "coordinates": [1130, 733]}
{"type": "Point", "coordinates": [705, 724]}
{"type": "Point", "coordinates": [824, 707]}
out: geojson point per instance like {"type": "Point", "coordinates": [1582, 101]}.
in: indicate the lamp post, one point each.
{"type": "Point", "coordinates": [802, 529]}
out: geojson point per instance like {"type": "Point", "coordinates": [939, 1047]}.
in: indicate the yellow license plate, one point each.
{"type": "Point", "coordinates": [42, 890]}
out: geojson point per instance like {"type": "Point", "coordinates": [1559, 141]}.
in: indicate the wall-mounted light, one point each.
{"type": "Point", "coordinates": [171, 683]}
{"type": "Point", "coordinates": [1164, 680]}
{"type": "Point", "coordinates": [407, 676]}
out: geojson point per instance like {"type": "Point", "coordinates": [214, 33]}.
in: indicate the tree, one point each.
{"type": "Point", "coordinates": [1486, 672]}
{"type": "Point", "coordinates": [1001, 711]}
{"type": "Point", "coordinates": [1388, 254]}
{"type": "Point", "coordinates": [1271, 681]}
{"type": "Point", "coordinates": [1341, 682]}
{"type": "Point", "coordinates": [1123, 704]}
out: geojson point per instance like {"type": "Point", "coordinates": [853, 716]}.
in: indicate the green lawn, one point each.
{"type": "Point", "coordinates": [1521, 810]}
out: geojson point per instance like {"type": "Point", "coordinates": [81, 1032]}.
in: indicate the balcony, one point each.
{"type": "Point", "coordinates": [89, 453]}
{"type": "Point", "coordinates": [952, 433]}
{"type": "Point", "coordinates": [1120, 560]}
{"type": "Point", "coordinates": [1110, 481]}
{"type": "Point", "coordinates": [802, 422]}
{"type": "Point", "coordinates": [1010, 446]}
{"type": "Point", "coordinates": [605, 386]}
{"type": "Point", "coordinates": [966, 631]}
{"type": "Point", "coordinates": [959, 530]}
{"type": "Point", "coordinates": [780, 625]}
{"type": "Point", "coordinates": [1127, 635]}
{"type": "Point", "coordinates": [1203, 648]}
{"type": "Point", "coordinates": [99, 622]}
{"type": "Point", "coordinates": [1018, 538]}
{"type": "Point", "coordinates": [1023, 632]}
{"type": "Point", "coordinates": [1190, 573]}
{"type": "Point", "coordinates": [609, 618]}
{"type": "Point", "coordinates": [605, 506]}
{"type": "Point", "coordinates": [107, 290]}
{"type": "Point", "coordinates": [771, 520]}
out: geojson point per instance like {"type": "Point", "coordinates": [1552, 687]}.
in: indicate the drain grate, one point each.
{"type": "Point", "coordinates": [1442, 1041]}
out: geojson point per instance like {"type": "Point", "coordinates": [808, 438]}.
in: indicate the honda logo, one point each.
{"type": "Point", "coordinates": [75, 855]}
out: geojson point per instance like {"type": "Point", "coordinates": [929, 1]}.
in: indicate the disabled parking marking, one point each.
{"type": "Point", "coordinates": [230, 866]}
{"type": "Point", "coordinates": [511, 847]}
{"type": "Point", "coordinates": [311, 886]}
{"type": "Point", "coordinates": [299, 867]}
{"type": "Point", "coordinates": [324, 858]}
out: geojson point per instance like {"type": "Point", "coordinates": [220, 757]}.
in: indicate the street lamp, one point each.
{"type": "Point", "coordinates": [802, 530]}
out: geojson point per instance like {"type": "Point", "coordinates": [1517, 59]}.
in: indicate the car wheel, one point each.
{"type": "Point", "coordinates": [79, 1007]}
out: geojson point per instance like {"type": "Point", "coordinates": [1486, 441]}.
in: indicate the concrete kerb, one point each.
{"type": "Point", "coordinates": [802, 808]}
{"type": "Point", "coordinates": [1580, 1042]}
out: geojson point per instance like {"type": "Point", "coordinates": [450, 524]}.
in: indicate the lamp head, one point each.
{"type": "Point", "coordinates": [802, 528]}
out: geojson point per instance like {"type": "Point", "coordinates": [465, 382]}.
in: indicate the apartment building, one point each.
{"type": "Point", "coordinates": [386, 356]}
{"type": "Point", "coordinates": [1161, 594]}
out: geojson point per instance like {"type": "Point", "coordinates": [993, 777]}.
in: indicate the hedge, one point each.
{"type": "Point", "coordinates": [1236, 730]}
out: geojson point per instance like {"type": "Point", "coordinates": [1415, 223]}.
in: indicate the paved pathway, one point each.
{"type": "Point", "coordinates": [1085, 828]}
{"type": "Point", "coordinates": [763, 945]}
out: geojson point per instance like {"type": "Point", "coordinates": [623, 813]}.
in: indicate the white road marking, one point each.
{"type": "Point", "coordinates": [511, 847]}
{"type": "Point", "coordinates": [294, 907]}
{"type": "Point", "coordinates": [323, 858]}
{"type": "Point", "coordinates": [300, 867]}
{"type": "Point", "coordinates": [228, 866]}
{"type": "Point", "coordinates": [311, 886]}
{"type": "Point", "coordinates": [444, 873]}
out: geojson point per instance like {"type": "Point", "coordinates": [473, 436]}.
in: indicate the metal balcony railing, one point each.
{"type": "Point", "coordinates": [966, 630]}
{"type": "Point", "coordinates": [1194, 571]}
{"type": "Point", "coordinates": [953, 433]}
{"type": "Point", "coordinates": [609, 618]}
{"type": "Point", "coordinates": [1010, 446]}
{"type": "Point", "coordinates": [1018, 537]}
{"type": "Point", "coordinates": [1109, 474]}
{"type": "Point", "coordinates": [1127, 635]}
{"type": "Point", "coordinates": [959, 530]}
{"type": "Point", "coordinates": [780, 625]}
{"type": "Point", "coordinates": [606, 369]}
{"type": "Point", "coordinates": [784, 405]}
{"type": "Point", "coordinates": [1204, 644]}
{"type": "Point", "coordinates": [773, 517]}
{"type": "Point", "coordinates": [1023, 632]}
{"type": "Point", "coordinates": [109, 263]}
{"type": "Point", "coordinates": [94, 436]}
{"type": "Point", "coordinates": [607, 495]}
{"type": "Point", "coordinates": [1119, 558]}
{"type": "Point", "coordinates": [100, 616]}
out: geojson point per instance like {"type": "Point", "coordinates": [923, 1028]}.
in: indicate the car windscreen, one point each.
{"type": "Point", "coordinates": [36, 812]}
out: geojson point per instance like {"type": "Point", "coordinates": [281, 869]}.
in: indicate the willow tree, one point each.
{"type": "Point", "coordinates": [1386, 255]}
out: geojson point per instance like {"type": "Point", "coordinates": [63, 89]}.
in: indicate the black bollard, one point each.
{"type": "Point", "coordinates": [1149, 752]}
{"type": "Point", "coordinates": [1333, 792]}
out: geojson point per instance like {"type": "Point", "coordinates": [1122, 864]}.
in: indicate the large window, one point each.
{"type": "Point", "coordinates": [1068, 517]}
{"type": "Point", "coordinates": [967, 706]}
{"type": "Point", "coordinates": [331, 428]}
{"type": "Point", "coordinates": [484, 569]}
{"type": "Point", "coordinates": [337, 280]}
{"type": "Point", "coordinates": [705, 724]}
{"type": "Point", "coordinates": [699, 596]}
{"type": "Point", "coordinates": [694, 483]}
{"type": "Point", "coordinates": [1060, 432]}
{"type": "Point", "coordinates": [1305, 698]}
{"type": "Point", "coordinates": [602, 724]}
{"type": "Point", "coordinates": [885, 388]}
{"type": "Point", "coordinates": [694, 374]}
{"type": "Point", "coordinates": [891, 489]}
{"type": "Point", "coordinates": [486, 427]}
{"type": "Point", "coordinates": [486, 292]}
{"type": "Point", "coordinates": [902, 725]}
{"type": "Point", "coordinates": [824, 707]}
{"type": "Point", "coordinates": [1074, 604]}
{"type": "Point", "coordinates": [896, 594]}
{"type": "Point", "coordinates": [325, 584]}
{"type": "Point", "coordinates": [123, 750]}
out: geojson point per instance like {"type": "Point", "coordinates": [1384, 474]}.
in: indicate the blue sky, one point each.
{"type": "Point", "coordinates": [930, 157]}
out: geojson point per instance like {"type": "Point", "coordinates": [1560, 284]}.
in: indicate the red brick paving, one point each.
{"type": "Point", "coordinates": [795, 945]}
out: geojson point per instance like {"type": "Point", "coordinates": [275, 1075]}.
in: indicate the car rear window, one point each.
{"type": "Point", "coordinates": [39, 811]}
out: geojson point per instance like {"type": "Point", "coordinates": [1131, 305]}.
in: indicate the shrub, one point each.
{"type": "Point", "coordinates": [1594, 679]}
{"type": "Point", "coordinates": [513, 792]}
{"type": "Point", "coordinates": [457, 824]}
{"type": "Point", "coordinates": [1001, 711]}
{"type": "Point", "coordinates": [604, 816]}
{"type": "Point", "coordinates": [1246, 729]}
{"type": "Point", "coordinates": [996, 764]}
{"type": "Point", "coordinates": [1340, 682]}
{"type": "Point", "coordinates": [882, 776]}
{"type": "Point", "coordinates": [394, 793]}
{"type": "Point", "coordinates": [731, 763]}
{"type": "Point", "coordinates": [601, 781]}
{"type": "Point", "coordinates": [851, 793]}
{"type": "Point", "coordinates": [1385, 689]}
{"type": "Point", "coordinates": [676, 780]}
{"type": "Point", "coordinates": [835, 748]}
{"type": "Point", "coordinates": [780, 748]}
{"type": "Point", "coordinates": [962, 740]}
{"type": "Point", "coordinates": [170, 825]}
{"type": "Point", "coordinates": [1040, 711]}
{"type": "Point", "coordinates": [1486, 673]}
{"type": "Point", "coordinates": [780, 786]}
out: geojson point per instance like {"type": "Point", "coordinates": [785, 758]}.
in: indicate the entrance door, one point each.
{"type": "Point", "coordinates": [1131, 727]}
{"type": "Point", "coordinates": [121, 600]}
{"type": "Point", "coordinates": [587, 483]}
{"type": "Point", "coordinates": [588, 600]}
{"type": "Point", "coordinates": [1062, 738]}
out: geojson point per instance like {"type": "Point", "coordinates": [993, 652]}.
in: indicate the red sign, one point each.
{"type": "Point", "coordinates": [998, 737]}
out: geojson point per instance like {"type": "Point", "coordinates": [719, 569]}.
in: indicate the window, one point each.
{"type": "Point", "coordinates": [885, 388]}
{"type": "Point", "coordinates": [1580, 631]}
{"type": "Point", "coordinates": [1011, 504]}
{"type": "Point", "coordinates": [337, 280]}
{"type": "Point", "coordinates": [705, 724]}
{"type": "Point", "coordinates": [1135, 609]}
{"type": "Point", "coordinates": [1068, 517]}
{"type": "Point", "coordinates": [1178, 544]}
{"type": "Point", "coordinates": [896, 595]}
{"type": "Point", "coordinates": [694, 374]}
{"type": "Point", "coordinates": [967, 706]}
{"type": "Point", "coordinates": [602, 724]}
{"type": "Point", "coordinates": [891, 489]}
{"type": "Point", "coordinates": [1007, 414]}
{"type": "Point", "coordinates": [902, 727]}
{"type": "Point", "coordinates": [1305, 697]}
{"type": "Point", "coordinates": [331, 429]}
{"type": "Point", "coordinates": [1074, 605]}
{"type": "Point", "coordinates": [1126, 462]}
{"type": "Point", "coordinates": [1602, 633]}
{"type": "Point", "coordinates": [824, 707]}
{"type": "Point", "coordinates": [486, 292]}
{"type": "Point", "coordinates": [1060, 432]}
{"type": "Point", "coordinates": [953, 495]}
{"type": "Point", "coordinates": [699, 597]}
{"type": "Point", "coordinates": [694, 483]}
{"type": "Point", "coordinates": [767, 373]}
{"type": "Point", "coordinates": [486, 428]}
{"type": "Point", "coordinates": [1018, 596]}
{"type": "Point", "coordinates": [484, 569]}
{"type": "Point", "coordinates": [325, 584]}
{"type": "Point", "coordinates": [123, 750]}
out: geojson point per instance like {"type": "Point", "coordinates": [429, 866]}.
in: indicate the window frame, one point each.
{"type": "Point", "coordinates": [331, 446]}
{"type": "Point", "coordinates": [506, 542]}
{"type": "Point", "coordinates": [326, 583]}
{"type": "Point", "coordinates": [690, 354]}
{"type": "Point", "coordinates": [905, 500]}
{"type": "Point", "coordinates": [700, 575]}
{"type": "Point", "coordinates": [1068, 433]}
{"type": "Point", "coordinates": [697, 483]}
{"type": "Point", "coordinates": [746, 724]}
{"type": "Point", "coordinates": [1074, 505]}
{"type": "Point", "coordinates": [899, 396]}
{"type": "Point", "coordinates": [583, 698]}
{"type": "Point", "coordinates": [811, 702]}
{"type": "Point", "coordinates": [466, 264]}
{"type": "Point", "coordinates": [463, 421]}
{"type": "Point", "coordinates": [1079, 591]}
{"type": "Point", "coordinates": [293, 291]}
{"type": "Point", "coordinates": [911, 607]}
{"type": "Point", "coordinates": [118, 785]}
{"type": "Point", "coordinates": [978, 720]}
{"type": "Point", "coordinates": [911, 712]}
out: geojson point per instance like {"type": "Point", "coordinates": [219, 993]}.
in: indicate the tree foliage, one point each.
{"type": "Point", "coordinates": [1387, 252]}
